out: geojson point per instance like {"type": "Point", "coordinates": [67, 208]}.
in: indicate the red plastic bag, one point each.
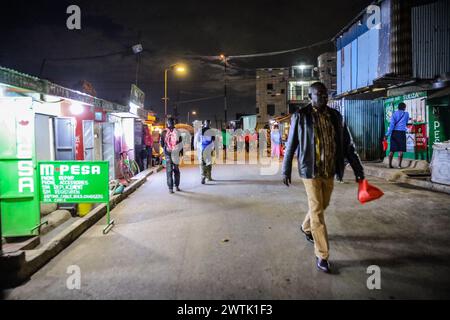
{"type": "Point", "coordinates": [385, 144]}
{"type": "Point", "coordinates": [368, 192]}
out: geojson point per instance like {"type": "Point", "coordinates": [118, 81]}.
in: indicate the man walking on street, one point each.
{"type": "Point", "coordinates": [322, 141]}
{"type": "Point", "coordinates": [171, 142]}
{"type": "Point", "coordinates": [205, 145]}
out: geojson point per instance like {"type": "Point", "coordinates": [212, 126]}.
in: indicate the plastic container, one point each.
{"type": "Point", "coordinates": [440, 163]}
{"type": "Point", "coordinates": [84, 209]}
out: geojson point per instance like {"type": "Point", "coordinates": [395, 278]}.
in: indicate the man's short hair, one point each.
{"type": "Point", "coordinates": [317, 85]}
{"type": "Point", "coordinates": [401, 106]}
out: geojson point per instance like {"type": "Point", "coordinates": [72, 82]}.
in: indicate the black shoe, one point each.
{"type": "Point", "coordinates": [178, 189]}
{"type": "Point", "coordinates": [171, 191]}
{"type": "Point", "coordinates": [323, 265]}
{"type": "Point", "coordinates": [308, 235]}
{"type": "Point", "coordinates": [203, 180]}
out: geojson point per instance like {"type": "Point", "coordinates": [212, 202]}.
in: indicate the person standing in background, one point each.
{"type": "Point", "coordinates": [397, 132]}
{"type": "Point", "coordinates": [148, 145]}
{"type": "Point", "coordinates": [204, 142]}
{"type": "Point", "coordinates": [275, 141]}
{"type": "Point", "coordinates": [171, 142]}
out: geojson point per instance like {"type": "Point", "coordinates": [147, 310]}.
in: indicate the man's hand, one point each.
{"type": "Point", "coordinates": [287, 180]}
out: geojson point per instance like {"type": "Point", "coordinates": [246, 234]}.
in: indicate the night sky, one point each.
{"type": "Point", "coordinates": [170, 32]}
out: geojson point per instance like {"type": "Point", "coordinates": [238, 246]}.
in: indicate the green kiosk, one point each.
{"type": "Point", "coordinates": [19, 199]}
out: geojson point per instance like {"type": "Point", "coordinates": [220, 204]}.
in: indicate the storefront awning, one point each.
{"type": "Point", "coordinates": [439, 94]}
{"type": "Point", "coordinates": [124, 115]}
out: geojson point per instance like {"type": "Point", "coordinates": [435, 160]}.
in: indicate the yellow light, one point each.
{"type": "Point", "coordinates": [222, 57]}
{"type": "Point", "coordinates": [180, 69]}
{"type": "Point", "coordinates": [194, 113]}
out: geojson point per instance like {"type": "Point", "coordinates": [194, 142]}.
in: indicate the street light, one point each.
{"type": "Point", "coordinates": [179, 68]}
{"type": "Point", "coordinates": [193, 113]}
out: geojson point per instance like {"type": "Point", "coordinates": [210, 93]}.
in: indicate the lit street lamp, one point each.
{"type": "Point", "coordinates": [193, 113]}
{"type": "Point", "coordinates": [179, 69]}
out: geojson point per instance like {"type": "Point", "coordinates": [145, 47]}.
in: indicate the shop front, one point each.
{"type": "Point", "coordinates": [123, 126]}
{"type": "Point", "coordinates": [418, 128]}
{"type": "Point", "coordinates": [438, 105]}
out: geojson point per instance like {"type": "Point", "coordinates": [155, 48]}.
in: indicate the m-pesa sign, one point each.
{"type": "Point", "coordinates": [74, 181]}
{"type": "Point", "coordinates": [66, 169]}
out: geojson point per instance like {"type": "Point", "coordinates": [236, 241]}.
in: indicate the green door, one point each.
{"type": "Point", "coordinates": [19, 202]}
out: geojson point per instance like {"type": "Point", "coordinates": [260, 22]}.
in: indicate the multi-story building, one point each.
{"type": "Point", "coordinates": [326, 63]}
{"type": "Point", "coordinates": [280, 91]}
{"type": "Point", "coordinates": [301, 77]}
{"type": "Point", "coordinates": [271, 86]}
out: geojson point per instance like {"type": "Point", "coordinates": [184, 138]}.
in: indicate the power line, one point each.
{"type": "Point", "coordinates": [274, 53]}
{"type": "Point", "coordinates": [196, 100]}
{"type": "Point", "coordinates": [263, 54]}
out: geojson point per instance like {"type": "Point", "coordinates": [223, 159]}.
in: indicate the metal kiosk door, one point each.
{"type": "Point", "coordinates": [88, 139]}
{"type": "Point", "coordinates": [65, 138]}
{"type": "Point", "coordinates": [108, 147]}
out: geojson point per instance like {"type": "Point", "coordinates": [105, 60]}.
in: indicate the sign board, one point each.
{"type": "Point", "coordinates": [410, 142]}
{"type": "Point", "coordinates": [74, 181]}
{"type": "Point", "coordinates": [421, 139]}
{"type": "Point", "coordinates": [137, 96]}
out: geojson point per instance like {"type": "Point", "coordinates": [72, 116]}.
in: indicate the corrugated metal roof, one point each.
{"type": "Point", "coordinates": [17, 79]}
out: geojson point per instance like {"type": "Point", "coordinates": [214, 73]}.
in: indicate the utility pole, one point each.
{"type": "Point", "coordinates": [175, 106]}
{"type": "Point", "coordinates": [224, 59]}
{"type": "Point", "coordinates": [137, 50]}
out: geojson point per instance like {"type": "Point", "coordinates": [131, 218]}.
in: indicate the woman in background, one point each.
{"type": "Point", "coordinates": [275, 139]}
{"type": "Point", "coordinates": [397, 132]}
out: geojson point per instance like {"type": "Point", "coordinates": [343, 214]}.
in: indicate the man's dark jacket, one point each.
{"type": "Point", "coordinates": [301, 138]}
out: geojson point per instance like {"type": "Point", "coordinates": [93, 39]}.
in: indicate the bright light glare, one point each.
{"type": "Point", "coordinates": [301, 67]}
{"type": "Point", "coordinates": [194, 113]}
{"type": "Point", "coordinates": [76, 108]}
{"type": "Point", "coordinates": [180, 69]}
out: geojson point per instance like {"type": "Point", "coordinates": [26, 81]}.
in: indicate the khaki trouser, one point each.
{"type": "Point", "coordinates": [319, 193]}
{"type": "Point", "coordinates": [205, 170]}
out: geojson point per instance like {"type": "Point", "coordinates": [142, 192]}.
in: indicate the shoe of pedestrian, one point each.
{"type": "Point", "coordinates": [308, 235]}
{"type": "Point", "coordinates": [171, 191]}
{"type": "Point", "coordinates": [203, 180]}
{"type": "Point", "coordinates": [178, 189]}
{"type": "Point", "coordinates": [323, 265]}
{"type": "Point", "coordinates": [210, 179]}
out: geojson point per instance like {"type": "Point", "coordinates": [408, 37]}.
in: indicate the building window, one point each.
{"type": "Point", "coordinates": [257, 110]}
{"type": "Point", "coordinates": [270, 86]}
{"type": "Point", "coordinates": [282, 91]}
{"type": "Point", "coordinates": [271, 109]}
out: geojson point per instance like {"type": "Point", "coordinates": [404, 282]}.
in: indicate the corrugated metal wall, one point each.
{"type": "Point", "coordinates": [365, 119]}
{"type": "Point", "coordinates": [431, 39]}
{"type": "Point", "coordinates": [401, 61]}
